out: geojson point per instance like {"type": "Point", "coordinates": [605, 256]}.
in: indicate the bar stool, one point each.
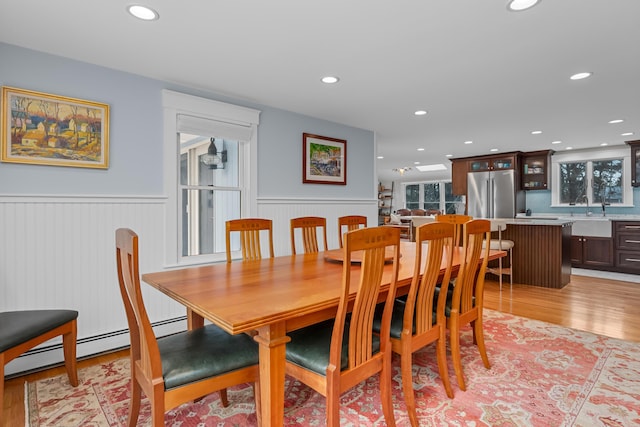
{"type": "Point", "coordinates": [502, 245]}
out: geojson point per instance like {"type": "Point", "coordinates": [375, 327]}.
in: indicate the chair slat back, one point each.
{"type": "Point", "coordinates": [249, 229]}
{"type": "Point", "coordinates": [144, 347]}
{"type": "Point", "coordinates": [351, 222]}
{"type": "Point", "coordinates": [458, 221]}
{"type": "Point", "coordinates": [470, 281]}
{"type": "Point", "coordinates": [436, 238]}
{"type": "Point", "coordinates": [308, 226]}
{"type": "Point", "coordinates": [373, 243]}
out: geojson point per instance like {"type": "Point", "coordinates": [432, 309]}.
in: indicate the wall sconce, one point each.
{"type": "Point", "coordinates": [212, 158]}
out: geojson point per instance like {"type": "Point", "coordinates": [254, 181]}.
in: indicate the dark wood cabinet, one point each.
{"type": "Point", "coordinates": [635, 162]}
{"type": "Point", "coordinates": [536, 168]}
{"type": "Point", "coordinates": [588, 251]}
{"type": "Point", "coordinates": [461, 166]}
{"type": "Point", "coordinates": [627, 245]}
{"type": "Point", "coordinates": [459, 170]}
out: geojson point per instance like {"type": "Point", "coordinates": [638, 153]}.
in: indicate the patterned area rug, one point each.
{"type": "Point", "coordinates": [541, 375]}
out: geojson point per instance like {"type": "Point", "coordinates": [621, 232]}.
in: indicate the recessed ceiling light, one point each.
{"type": "Point", "coordinates": [468, 142]}
{"type": "Point", "coordinates": [493, 150]}
{"type": "Point", "coordinates": [449, 155]}
{"type": "Point", "coordinates": [536, 132]}
{"type": "Point", "coordinates": [616, 121]}
{"type": "Point", "coordinates": [143, 12]}
{"type": "Point", "coordinates": [330, 79]}
{"type": "Point", "coordinates": [569, 148]}
{"type": "Point", "coordinates": [626, 134]}
{"type": "Point", "coordinates": [380, 157]}
{"type": "Point", "coordinates": [604, 143]}
{"type": "Point", "coordinates": [518, 5]}
{"type": "Point", "coordinates": [556, 142]}
{"type": "Point", "coordinates": [420, 149]}
{"type": "Point", "coordinates": [580, 76]}
{"type": "Point", "coordinates": [429, 168]}
{"type": "Point", "coordinates": [420, 113]}
{"type": "Point", "coordinates": [416, 163]}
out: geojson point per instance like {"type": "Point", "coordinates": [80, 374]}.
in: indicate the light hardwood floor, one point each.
{"type": "Point", "coordinates": [602, 306]}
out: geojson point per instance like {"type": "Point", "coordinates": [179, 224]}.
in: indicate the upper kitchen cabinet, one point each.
{"type": "Point", "coordinates": [491, 163]}
{"type": "Point", "coordinates": [459, 169]}
{"type": "Point", "coordinates": [536, 170]}
{"type": "Point", "coordinates": [461, 166]}
{"type": "Point", "coordinates": [635, 162]}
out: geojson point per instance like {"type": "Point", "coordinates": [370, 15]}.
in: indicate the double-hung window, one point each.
{"type": "Point", "coordinates": [210, 150]}
{"type": "Point", "coordinates": [592, 178]}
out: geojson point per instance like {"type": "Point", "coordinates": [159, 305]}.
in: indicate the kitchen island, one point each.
{"type": "Point", "coordinates": [542, 251]}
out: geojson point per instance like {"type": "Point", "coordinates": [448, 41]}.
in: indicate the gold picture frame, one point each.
{"type": "Point", "coordinates": [44, 129]}
{"type": "Point", "coordinates": [324, 160]}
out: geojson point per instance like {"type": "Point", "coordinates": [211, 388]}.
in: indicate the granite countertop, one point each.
{"type": "Point", "coordinates": [538, 221]}
{"type": "Point", "coordinates": [581, 217]}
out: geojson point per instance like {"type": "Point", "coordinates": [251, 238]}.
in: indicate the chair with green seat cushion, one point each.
{"type": "Point", "coordinates": [335, 355]}
{"type": "Point", "coordinates": [181, 367]}
{"type": "Point", "coordinates": [414, 323]}
{"type": "Point", "coordinates": [465, 299]}
{"type": "Point", "coordinates": [20, 331]}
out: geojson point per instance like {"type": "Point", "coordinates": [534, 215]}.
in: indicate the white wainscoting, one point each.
{"type": "Point", "coordinates": [59, 252]}
{"type": "Point", "coordinates": [282, 210]}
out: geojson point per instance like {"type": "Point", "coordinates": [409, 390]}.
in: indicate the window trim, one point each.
{"type": "Point", "coordinates": [228, 115]}
{"type": "Point", "coordinates": [591, 155]}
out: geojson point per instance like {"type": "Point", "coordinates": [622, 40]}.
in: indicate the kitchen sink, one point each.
{"type": "Point", "coordinates": [596, 226]}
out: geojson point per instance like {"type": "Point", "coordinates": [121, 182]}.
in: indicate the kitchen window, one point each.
{"type": "Point", "coordinates": [592, 178]}
{"type": "Point", "coordinates": [210, 150]}
{"type": "Point", "coordinates": [432, 195]}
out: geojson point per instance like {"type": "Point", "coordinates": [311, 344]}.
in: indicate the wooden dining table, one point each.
{"type": "Point", "coordinates": [270, 297]}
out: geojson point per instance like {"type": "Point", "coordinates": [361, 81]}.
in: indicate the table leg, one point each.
{"type": "Point", "coordinates": [272, 340]}
{"type": "Point", "coordinates": [194, 320]}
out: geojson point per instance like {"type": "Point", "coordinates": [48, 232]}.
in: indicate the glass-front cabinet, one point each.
{"type": "Point", "coordinates": [492, 163]}
{"type": "Point", "coordinates": [535, 170]}
{"type": "Point", "coordinates": [635, 162]}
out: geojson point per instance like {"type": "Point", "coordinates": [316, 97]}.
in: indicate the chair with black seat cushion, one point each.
{"type": "Point", "coordinates": [458, 220]}
{"type": "Point", "coordinates": [249, 230]}
{"type": "Point", "coordinates": [465, 299]}
{"type": "Point", "coordinates": [180, 367]}
{"type": "Point", "coordinates": [20, 331]}
{"type": "Point", "coordinates": [414, 325]}
{"type": "Point", "coordinates": [308, 226]}
{"type": "Point", "coordinates": [350, 222]}
{"type": "Point", "coordinates": [333, 356]}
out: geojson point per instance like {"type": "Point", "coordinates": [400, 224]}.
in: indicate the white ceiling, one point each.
{"type": "Point", "coordinates": [481, 72]}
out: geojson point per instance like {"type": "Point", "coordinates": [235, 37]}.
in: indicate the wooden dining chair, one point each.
{"type": "Point", "coordinates": [22, 330]}
{"type": "Point", "coordinates": [333, 356]}
{"type": "Point", "coordinates": [350, 222]}
{"type": "Point", "coordinates": [181, 367]}
{"type": "Point", "coordinates": [414, 323]}
{"type": "Point", "coordinates": [308, 226]}
{"type": "Point", "coordinates": [249, 229]}
{"type": "Point", "coordinates": [465, 300]}
{"type": "Point", "coordinates": [458, 220]}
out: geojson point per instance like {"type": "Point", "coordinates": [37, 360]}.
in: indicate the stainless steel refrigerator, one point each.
{"type": "Point", "coordinates": [494, 194]}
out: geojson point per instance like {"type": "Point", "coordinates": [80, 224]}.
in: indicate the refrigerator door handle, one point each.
{"type": "Point", "coordinates": [489, 211]}
{"type": "Point", "coordinates": [492, 195]}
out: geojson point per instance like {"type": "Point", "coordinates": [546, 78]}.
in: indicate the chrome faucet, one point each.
{"type": "Point", "coordinates": [585, 198]}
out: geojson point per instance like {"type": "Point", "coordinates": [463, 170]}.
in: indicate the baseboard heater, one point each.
{"type": "Point", "coordinates": [50, 354]}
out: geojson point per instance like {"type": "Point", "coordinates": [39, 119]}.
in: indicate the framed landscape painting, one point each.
{"type": "Point", "coordinates": [324, 160]}
{"type": "Point", "coordinates": [44, 129]}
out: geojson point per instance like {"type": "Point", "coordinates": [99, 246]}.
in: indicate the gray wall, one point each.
{"type": "Point", "coordinates": [136, 136]}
